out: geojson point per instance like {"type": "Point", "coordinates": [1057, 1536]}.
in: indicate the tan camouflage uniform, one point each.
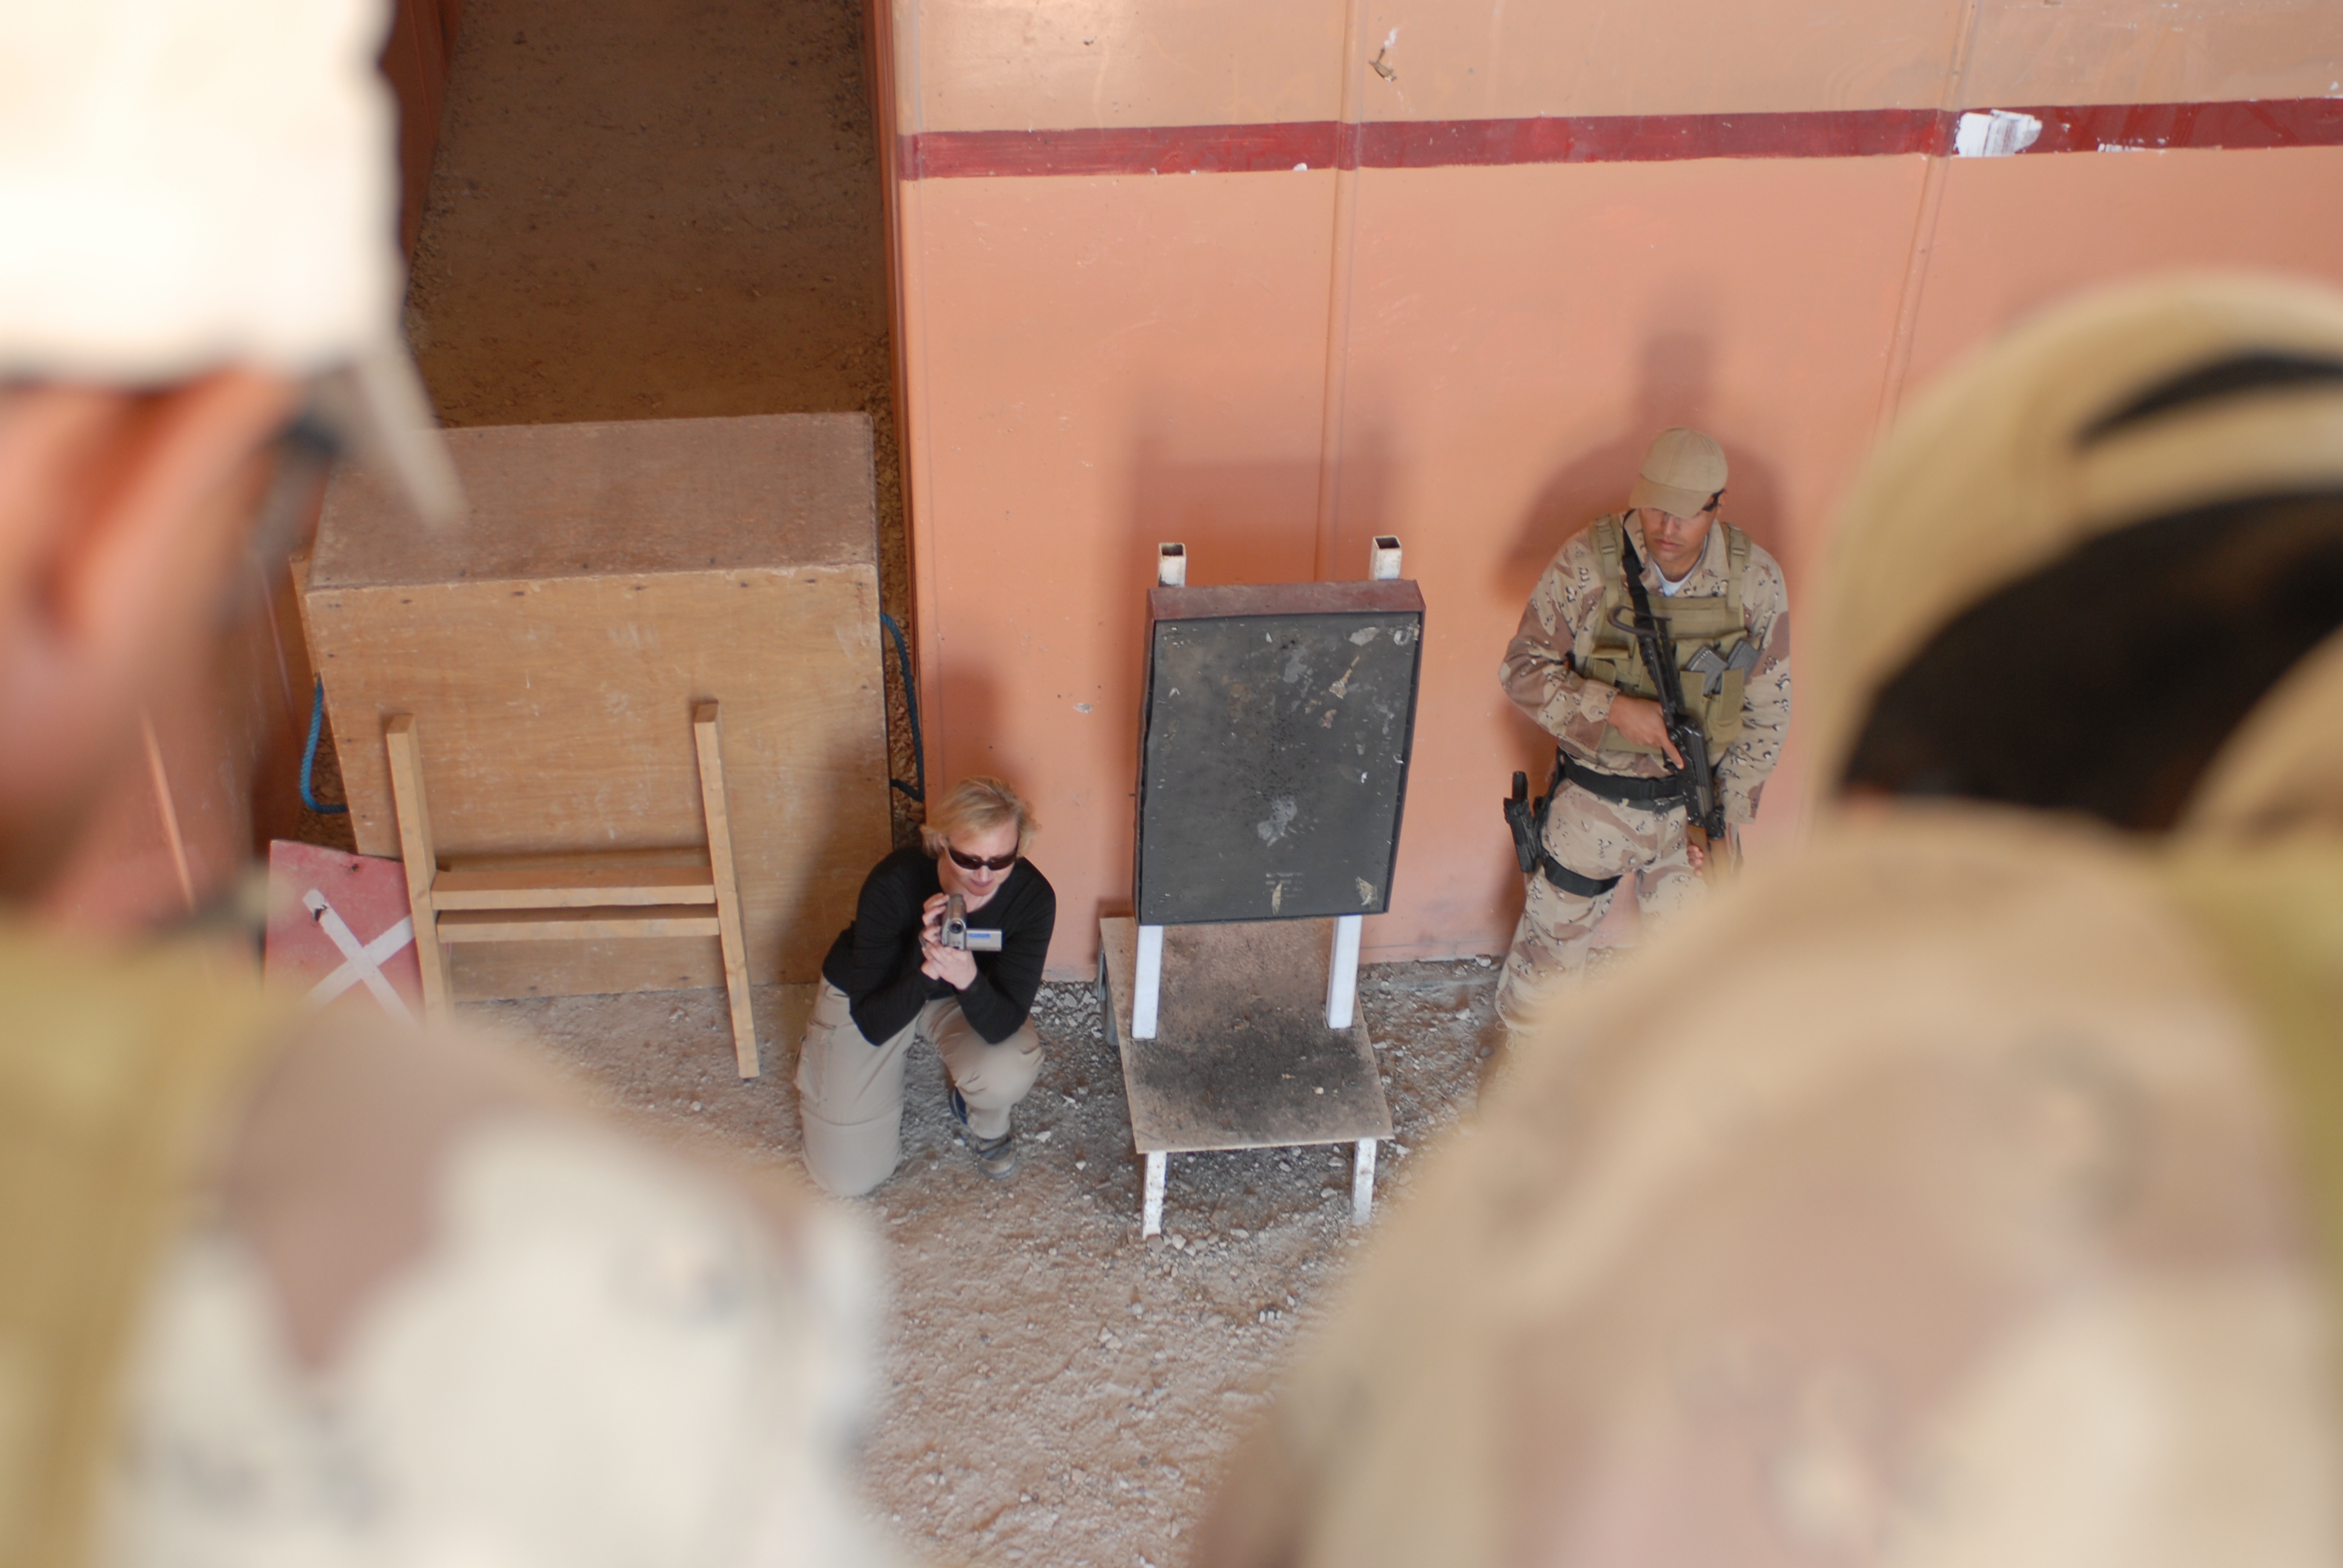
{"type": "Point", "coordinates": [1598, 837]}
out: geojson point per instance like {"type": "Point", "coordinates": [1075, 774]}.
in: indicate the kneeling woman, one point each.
{"type": "Point", "coordinates": [891, 981]}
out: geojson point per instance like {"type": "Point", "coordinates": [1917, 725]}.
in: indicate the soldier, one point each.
{"type": "Point", "coordinates": [1616, 806]}
{"type": "Point", "coordinates": [1963, 1190]}
{"type": "Point", "coordinates": [316, 1289]}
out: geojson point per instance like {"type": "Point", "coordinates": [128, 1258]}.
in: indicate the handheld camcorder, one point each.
{"type": "Point", "coordinates": [959, 933]}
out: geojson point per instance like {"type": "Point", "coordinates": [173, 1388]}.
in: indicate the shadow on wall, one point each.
{"type": "Point", "coordinates": [967, 704]}
{"type": "Point", "coordinates": [1673, 387]}
{"type": "Point", "coordinates": [1244, 522]}
{"type": "Point", "coordinates": [1364, 487]}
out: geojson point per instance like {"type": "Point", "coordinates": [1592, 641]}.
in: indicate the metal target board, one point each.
{"type": "Point", "coordinates": [1277, 728]}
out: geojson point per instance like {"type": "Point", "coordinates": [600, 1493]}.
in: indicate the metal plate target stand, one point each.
{"type": "Point", "coordinates": [1275, 740]}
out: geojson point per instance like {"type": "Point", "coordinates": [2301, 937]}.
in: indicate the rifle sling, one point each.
{"type": "Point", "coordinates": [1633, 572]}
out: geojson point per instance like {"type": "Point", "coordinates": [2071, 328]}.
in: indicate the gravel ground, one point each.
{"type": "Point", "coordinates": [1057, 1392]}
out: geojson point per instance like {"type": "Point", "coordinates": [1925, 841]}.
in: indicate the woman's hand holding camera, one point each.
{"type": "Point", "coordinates": [953, 966]}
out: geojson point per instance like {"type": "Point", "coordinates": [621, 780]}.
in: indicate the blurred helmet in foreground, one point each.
{"type": "Point", "coordinates": [2180, 442]}
{"type": "Point", "coordinates": [2283, 772]}
{"type": "Point", "coordinates": [189, 187]}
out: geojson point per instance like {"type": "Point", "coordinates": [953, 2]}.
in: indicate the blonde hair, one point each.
{"type": "Point", "coordinates": [977, 803]}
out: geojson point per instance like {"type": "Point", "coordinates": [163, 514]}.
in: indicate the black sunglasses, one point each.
{"type": "Point", "coordinates": [978, 863]}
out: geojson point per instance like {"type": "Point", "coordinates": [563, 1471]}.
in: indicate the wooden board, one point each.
{"type": "Point", "coordinates": [611, 499]}
{"type": "Point", "coordinates": [554, 707]}
{"type": "Point", "coordinates": [1242, 1058]}
{"type": "Point", "coordinates": [572, 886]}
{"type": "Point", "coordinates": [646, 921]}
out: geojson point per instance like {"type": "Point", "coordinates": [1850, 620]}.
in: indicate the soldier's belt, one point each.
{"type": "Point", "coordinates": [1618, 787]}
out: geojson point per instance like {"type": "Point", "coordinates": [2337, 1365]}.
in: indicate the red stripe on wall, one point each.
{"type": "Point", "coordinates": [2269, 123]}
{"type": "Point", "coordinates": [1144, 150]}
{"type": "Point", "coordinates": [1649, 138]}
{"type": "Point", "coordinates": [1601, 140]}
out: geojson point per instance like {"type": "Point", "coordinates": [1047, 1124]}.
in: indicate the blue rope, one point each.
{"type": "Point", "coordinates": [309, 755]}
{"type": "Point", "coordinates": [910, 705]}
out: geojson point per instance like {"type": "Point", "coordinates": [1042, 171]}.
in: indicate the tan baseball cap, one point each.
{"type": "Point", "coordinates": [1681, 470]}
{"type": "Point", "coordinates": [2119, 406]}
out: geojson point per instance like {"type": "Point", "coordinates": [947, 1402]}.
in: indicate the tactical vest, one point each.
{"type": "Point", "coordinates": [1714, 653]}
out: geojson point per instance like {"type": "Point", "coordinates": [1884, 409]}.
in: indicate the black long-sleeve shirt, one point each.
{"type": "Point", "coordinates": [876, 960]}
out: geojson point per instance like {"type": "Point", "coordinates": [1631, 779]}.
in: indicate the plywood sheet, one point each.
{"type": "Point", "coordinates": [554, 709]}
{"type": "Point", "coordinates": [1242, 1058]}
{"type": "Point", "coordinates": [633, 496]}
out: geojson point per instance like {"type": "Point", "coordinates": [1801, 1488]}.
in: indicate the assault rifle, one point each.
{"type": "Point", "coordinates": [1659, 651]}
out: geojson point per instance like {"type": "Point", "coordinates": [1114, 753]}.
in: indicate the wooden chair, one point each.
{"type": "Point", "coordinates": [571, 897]}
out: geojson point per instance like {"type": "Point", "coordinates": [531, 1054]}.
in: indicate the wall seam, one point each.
{"type": "Point", "coordinates": [1341, 264]}
{"type": "Point", "coordinates": [911, 447]}
{"type": "Point", "coordinates": [1924, 229]}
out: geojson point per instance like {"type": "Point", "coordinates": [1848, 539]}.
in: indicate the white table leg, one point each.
{"type": "Point", "coordinates": [1342, 972]}
{"type": "Point", "coordinates": [1151, 1217]}
{"type": "Point", "coordinates": [1147, 985]}
{"type": "Point", "coordinates": [1362, 1182]}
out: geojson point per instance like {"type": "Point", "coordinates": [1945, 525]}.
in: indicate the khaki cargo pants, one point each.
{"type": "Point", "coordinates": [851, 1091]}
{"type": "Point", "coordinates": [1595, 838]}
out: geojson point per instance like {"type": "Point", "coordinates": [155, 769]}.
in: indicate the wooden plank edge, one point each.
{"type": "Point", "coordinates": [576, 925]}
{"type": "Point", "coordinates": [460, 890]}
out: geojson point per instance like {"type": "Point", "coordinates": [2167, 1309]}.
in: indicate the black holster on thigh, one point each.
{"type": "Point", "coordinates": [1527, 821]}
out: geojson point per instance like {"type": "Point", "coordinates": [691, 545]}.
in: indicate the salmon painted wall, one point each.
{"type": "Point", "coordinates": [1270, 280]}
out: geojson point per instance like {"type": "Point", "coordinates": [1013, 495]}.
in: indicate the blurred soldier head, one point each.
{"type": "Point", "coordinates": [198, 296]}
{"type": "Point", "coordinates": [206, 1208]}
{"type": "Point", "coordinates": [2090, 551]}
